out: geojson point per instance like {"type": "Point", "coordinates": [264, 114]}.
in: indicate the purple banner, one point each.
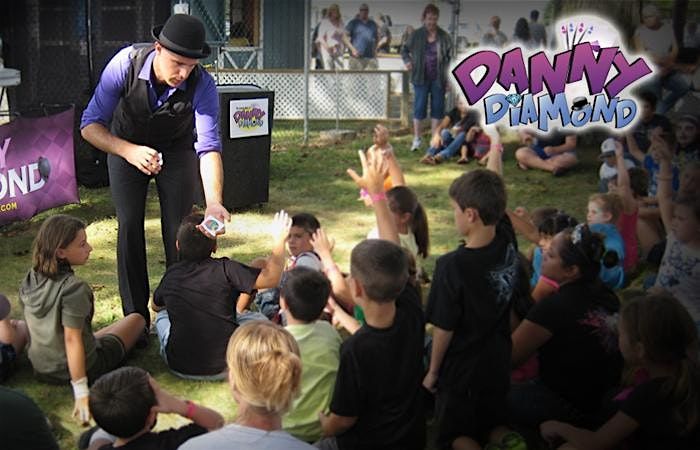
{"type": "Point", "coordinates": [37, 169]}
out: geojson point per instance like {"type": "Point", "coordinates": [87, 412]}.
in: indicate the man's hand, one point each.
{"type": "Point", "coordinates": [429, 381]}
{"type": "Point", "coordinates": [143, 158]}
{"type": "Point", "coordinates": [219, 211]}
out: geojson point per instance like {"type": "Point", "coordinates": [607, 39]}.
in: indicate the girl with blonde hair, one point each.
{"type": "Point", "coordinates": [265, 376]}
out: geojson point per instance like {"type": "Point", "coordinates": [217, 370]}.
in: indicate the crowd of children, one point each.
{"type": "Point", "coordinates": [517, 343]}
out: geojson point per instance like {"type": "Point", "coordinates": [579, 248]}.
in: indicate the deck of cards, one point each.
{"type": "Point", "coordinates": [212, 226]}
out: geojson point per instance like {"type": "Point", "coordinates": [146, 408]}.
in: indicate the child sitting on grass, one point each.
{"type": "Point", "coordinates": [460, 125]}
{"type": "Point", "coordinates": [301, 254]}
{"type": "Point", "coordinates": [662, 413]}
{"type": "Point", "coordinates": [603, 212]}
{"type": "Point", "coordinates": [195, 301]}
{"type": "Point", "coordinates": [679, 272]}
{"type": "Point", "coordinates": [14, 336]}
{"type": "Point", "coordinates": [125, 404]}
{"type": "Point", "coordinates": [303, 297]}
{"type": "Point", "coordinates": [58, 308]}
{"type": "Point", "coordinates": [377, 398]}
{"type": "Point", "coordinates": [264, 377]}
{"type": "Point", "coordinates": [410, 221]}
{"type": "Point", "coordinates": [545, 224]}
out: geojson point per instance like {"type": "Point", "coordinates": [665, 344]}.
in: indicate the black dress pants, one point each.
{"type": "Point", "coordinates": [129, 188]}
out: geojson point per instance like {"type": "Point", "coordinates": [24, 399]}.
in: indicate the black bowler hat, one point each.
{"type": "Point", "coordinates": [579, 103]}
{"type": "Point", "coordinates": [183, 34]}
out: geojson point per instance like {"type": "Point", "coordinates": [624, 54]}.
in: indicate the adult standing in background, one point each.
{"type": "Point", "coordinates": [537, 30]}
{"type": "Point", "coordinates": [384, 44]}
{"type": "Point", "coordinates": [427, 54]}
{"type": "Point", "coordinates": [332, 39]}
{"type": "Point", "coordinates": [655, 38]}
{"type": "Point", "coordinates": [315, 46]}
{"type": "Point", "coordinates": [149, 101]}
{"type": "Point", "coordinates": [522, 35]}
{"type": "Point", "coordinates": [494, 37]}
{"type": "Point", "coordinates": [364, 36]}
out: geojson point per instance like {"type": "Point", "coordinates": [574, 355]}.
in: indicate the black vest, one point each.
{"type": "Point", "coordinates": [168, 128]}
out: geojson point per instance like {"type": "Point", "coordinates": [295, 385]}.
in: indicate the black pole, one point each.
{"type": "Point", "coordinates": [88, 39]}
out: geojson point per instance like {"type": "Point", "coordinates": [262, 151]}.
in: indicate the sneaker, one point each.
{"type": "Point", "coordinates": [417, 142]}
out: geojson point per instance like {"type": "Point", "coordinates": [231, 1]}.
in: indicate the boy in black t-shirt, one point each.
{"type": "Point", "coordinates": [377, 397]}
{"type": "Point", "coordinates": [196, 299]}
{"type": "Point", "coordinates": [469, 306]}
{"type": "Point", "coordinates": [125, 403]}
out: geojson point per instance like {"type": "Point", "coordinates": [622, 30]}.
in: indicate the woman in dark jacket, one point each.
{"type": "Point", "coordinates": [427, 54]}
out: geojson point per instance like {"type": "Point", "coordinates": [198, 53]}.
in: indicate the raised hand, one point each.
{"type": "Point", "coordinates": [381, 135]}
{"type": "Point", "coordinates": [374, 171]}
{"type": "Point", "coordinates": [322, 244]}
{"type": "Point", "coordinates": [281, 224]}
{"type": "Point", "coordinates": [659, 144]}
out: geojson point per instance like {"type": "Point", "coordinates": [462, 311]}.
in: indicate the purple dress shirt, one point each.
{"type": "Point", "coordinates": [109, 90]}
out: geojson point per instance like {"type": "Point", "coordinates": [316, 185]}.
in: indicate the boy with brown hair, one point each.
{"type": "Point", "coordinates": [377, 397]}
{"type": "Point", "coordinates": [125, 403]}
{"type": "Point", "coordinates": [469, 306]}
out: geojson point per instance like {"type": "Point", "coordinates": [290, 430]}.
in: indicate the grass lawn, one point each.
{"type": "Point", "coordinates": [309, 179]}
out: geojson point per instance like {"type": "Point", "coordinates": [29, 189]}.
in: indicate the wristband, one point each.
{"type": "Point", "coordinates": [548, 281]}
{"type": "Point", "coordinates": [498, 147]}
{"type": "Point", "coordinates": [377, 197]}
{"type": "Point", "coordinates": [80, 388]}
{"type": "Point", "coordinates": [190, 409]}
{"type": "Point", "coordinates": [364, 193]}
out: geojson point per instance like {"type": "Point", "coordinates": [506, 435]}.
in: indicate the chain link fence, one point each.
{"type": "Point", "coordinates": [261, 43]}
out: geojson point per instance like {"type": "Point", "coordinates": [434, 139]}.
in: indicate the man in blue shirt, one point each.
{"type": "Point", "coordinates": [364, 36]}
{"type": "Point", "coordinates": [149, 101]}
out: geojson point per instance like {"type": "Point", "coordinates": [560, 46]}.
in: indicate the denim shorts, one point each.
{"type": "Point", "coordinates": [437, 100]}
